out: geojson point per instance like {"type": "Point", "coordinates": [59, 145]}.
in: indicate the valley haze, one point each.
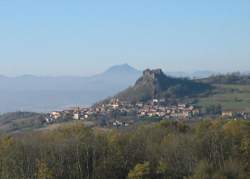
{"type": "Point", "coordinates": [43, 94]}
{"type": "Point", "coordinates": [48, 93]}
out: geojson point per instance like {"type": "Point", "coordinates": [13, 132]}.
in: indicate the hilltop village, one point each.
{"type": "Point", "coordinates": [116, 113]}
{"type": "Point", "coordinates": [154, 109]}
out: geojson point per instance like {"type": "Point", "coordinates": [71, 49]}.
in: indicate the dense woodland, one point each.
{"type": "Point", "coordinates": [210, 149]}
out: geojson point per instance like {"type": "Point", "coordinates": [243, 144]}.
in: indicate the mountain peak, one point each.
{"type": "Point", "coordinates": [123, 68]}
{"type": "Point", "coordinates": [155, 76]}
{"type": "Point", "coordinates": [153, 73]}
{"type": "Point", "coordinates": [156, 79]}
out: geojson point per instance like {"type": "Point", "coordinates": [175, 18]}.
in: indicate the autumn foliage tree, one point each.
{"type": "Point", "coordinates": [207, 149]}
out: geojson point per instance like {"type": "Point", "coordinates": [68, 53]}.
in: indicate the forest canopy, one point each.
{"type": "Point", "coordinates": [207, 149]}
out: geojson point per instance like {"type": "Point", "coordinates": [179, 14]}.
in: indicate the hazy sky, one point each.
{"type": "Point", "coordinates": [71, 37]}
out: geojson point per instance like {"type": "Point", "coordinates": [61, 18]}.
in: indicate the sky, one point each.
{"type": "Point", "coordinates": [80, 37]}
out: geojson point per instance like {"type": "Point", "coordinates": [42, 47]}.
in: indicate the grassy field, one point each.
{"type": "Point", "coordinates": [230, 97]}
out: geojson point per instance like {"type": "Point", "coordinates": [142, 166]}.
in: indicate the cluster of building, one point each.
{"type": "Point", "coordinates": [178, 111]}
{"type": "Point", "coordinates": [235, 115]}
{"type": "Point", "coordinates": [73, 113]}
{"type": "Point", "coordinates": [155, 108]}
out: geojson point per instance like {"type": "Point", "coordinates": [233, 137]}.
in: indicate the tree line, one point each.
{"type": "Point", "coordinates": [210, 149]}
{"type": "Point", "coordinates": [230, 78]}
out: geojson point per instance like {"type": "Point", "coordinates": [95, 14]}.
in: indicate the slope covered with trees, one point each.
{"type": "Point", "coordinates": [205, 150]}
{"type": "Point", "coordinates": [20, 121]}
{"type": "Point", "coordinates": [155, 84]}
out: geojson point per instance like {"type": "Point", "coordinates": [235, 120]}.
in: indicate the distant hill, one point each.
{"type": "Point", "coordinates": [41, 94]}
{"type": "Point", "coordinates": [20, 121]}
{"type": "Point", "coordinates": [155, 84]}
{"type": "Point", "coordinates": [196, 74]}
{"type": "Point", "coordinates": [231, 78]}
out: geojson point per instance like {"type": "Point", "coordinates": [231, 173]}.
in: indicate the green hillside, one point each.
{"type": "Point", "coordinates": [230, 97]}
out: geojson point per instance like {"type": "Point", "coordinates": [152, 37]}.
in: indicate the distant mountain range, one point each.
{"type": "Point", "coordinates": [41, 94]}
